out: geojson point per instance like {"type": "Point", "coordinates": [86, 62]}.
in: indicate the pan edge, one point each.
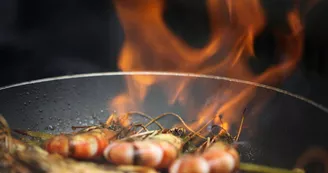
{"type": "Point", "coordinates": [212, 77]}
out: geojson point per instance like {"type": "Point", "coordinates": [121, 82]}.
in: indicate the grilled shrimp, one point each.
{"type": "Point", "coordinates": [85, 145]}
{"type": "Point", "coordinates": [158, 151]}
{"type": "Point", "coordinates": [218, 158]}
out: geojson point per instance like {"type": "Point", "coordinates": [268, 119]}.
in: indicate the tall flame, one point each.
{"type": "Point", "coordinates": [151, 46]}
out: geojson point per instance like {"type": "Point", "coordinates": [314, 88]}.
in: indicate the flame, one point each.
{"type": "Point", "coordinates": [122, 120]}
{"type": "Point", "coordinates": [225, 126]}
{"type": "Point", "coordinates": [151, 46]}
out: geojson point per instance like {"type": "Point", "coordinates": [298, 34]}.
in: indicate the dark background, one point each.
{"type": "Point", "coordinates": [41, 39]}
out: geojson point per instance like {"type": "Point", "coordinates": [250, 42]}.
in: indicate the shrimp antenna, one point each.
{"type": "Point", "coordinates": [142, 126]}
{"type": "Point", "coordinates": [146, 116]}
{"type": "Point", "coordinates": [240, 126]}
{"type": "Point", "coordinates": [180, 119]}
{"type": "Point", "coordinates": [80, 127]}
{"type": "Point", "coordinates": [197, 132]}
{"type": "Point", "coordinates": [110, 118]}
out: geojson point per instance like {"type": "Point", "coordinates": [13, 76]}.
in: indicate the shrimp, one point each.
{"type": "Point", "coordinates": [88, 143]}
{"type": "Point", "coordinates": [85, 145]}
{"type": "Point", "coordinates": [218, 158]}
{"type": "Point", "coordinates": [158, 151]}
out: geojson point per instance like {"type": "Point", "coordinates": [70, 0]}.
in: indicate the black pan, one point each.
{"type": "Point", "coordinates": [281, 131]}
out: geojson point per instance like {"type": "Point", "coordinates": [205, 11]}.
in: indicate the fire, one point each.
{"type": "Point", "coordinates": [151, 46]}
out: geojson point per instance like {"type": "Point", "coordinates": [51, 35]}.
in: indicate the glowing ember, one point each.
{"type": "Point", "coordinates": [151, 46]}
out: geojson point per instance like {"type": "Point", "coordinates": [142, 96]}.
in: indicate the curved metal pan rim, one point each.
{"type": "Point", "coordinates": [319, 106]}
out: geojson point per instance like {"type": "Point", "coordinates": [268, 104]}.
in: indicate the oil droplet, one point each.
{"type": "Point", "coordinates": [50, 118]}
{"type": "Point", "coordinates": [50, 127]}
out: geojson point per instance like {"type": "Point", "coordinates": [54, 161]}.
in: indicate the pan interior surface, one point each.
{"type": "Point", "coordinates": [276, 132]}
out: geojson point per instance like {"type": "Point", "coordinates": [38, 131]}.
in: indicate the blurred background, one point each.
{"type": "Point", "coordinates": [40, 39]}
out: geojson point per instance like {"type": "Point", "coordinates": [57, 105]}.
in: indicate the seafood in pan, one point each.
{"type": "Point", "coordinates": [114, 146]}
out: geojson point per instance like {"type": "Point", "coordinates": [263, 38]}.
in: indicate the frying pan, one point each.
{"type": "Point", "coordinates": [285, 126]}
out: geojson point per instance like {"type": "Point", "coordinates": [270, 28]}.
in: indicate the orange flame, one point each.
{"type": "Point", "coordinates": [151, 46]}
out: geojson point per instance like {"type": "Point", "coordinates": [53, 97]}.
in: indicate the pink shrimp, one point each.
{"type": "Point", "coordinates": [84, 145]}
{"type": "Point", "coordinates": [218, 158]}
{"type": "Point", "coordinates": [158, 152]}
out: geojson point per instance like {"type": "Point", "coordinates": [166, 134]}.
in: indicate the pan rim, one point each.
{"type": "Point", "coordinates": [156, 73]}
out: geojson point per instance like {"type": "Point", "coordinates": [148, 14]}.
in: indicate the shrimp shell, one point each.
{"type": "Point", "coordinates": [84, 145]}
{"type": "Point", "coordinates": [218, 158]}
{"type": "Point", "coordinates": [158, 151]}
